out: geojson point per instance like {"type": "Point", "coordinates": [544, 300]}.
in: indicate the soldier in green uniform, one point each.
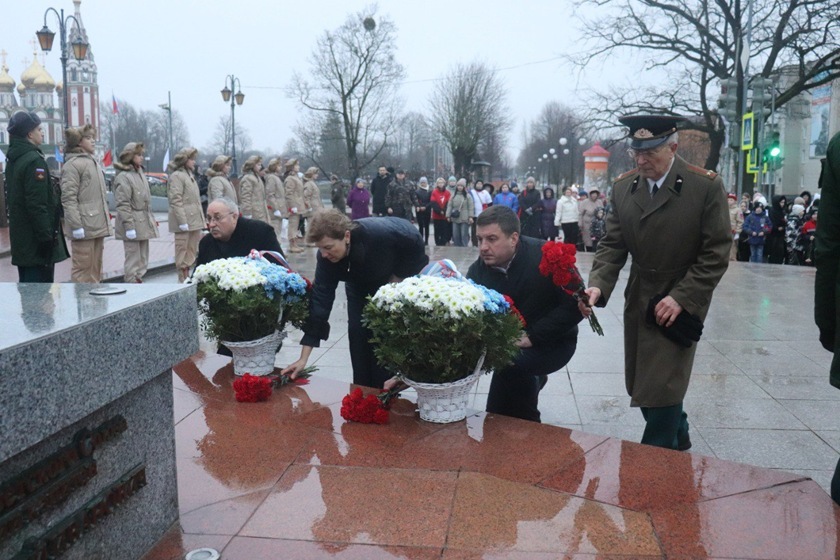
{"type": "Point", "coordinates": [400, 199]}
{"type": "Point", "coordinates": [672, 218]}
{"type": "Point", "coordinates": [34, 204]}
{"type": "Point", "coordinates": [827, 260]}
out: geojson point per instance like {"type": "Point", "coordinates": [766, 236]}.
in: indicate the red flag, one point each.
{"type": "Point", "coordinates": [114, 104]}
{"type": "Point", "coordinates": [108, 160]}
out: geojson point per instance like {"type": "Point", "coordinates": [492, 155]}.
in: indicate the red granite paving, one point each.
{"type": "Point", "coordinates": [289, 478]}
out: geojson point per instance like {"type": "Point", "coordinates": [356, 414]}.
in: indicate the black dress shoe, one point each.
{"type": "Point", "coordinates": [684, 443]}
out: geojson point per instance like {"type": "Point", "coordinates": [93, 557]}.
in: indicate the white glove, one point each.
{"type": "Point", "coordinates": [184, 227]}
{"type": "Point", "coordinates": [294, 210]}
{"type": "Point", "coordinates": [249, 217]}
{"type": "Point", "coordinates": [131, 234]}
{"type": "Point", "coordinates": [278, 214]}
{"type": "Point", "coordinates": [79, 233]}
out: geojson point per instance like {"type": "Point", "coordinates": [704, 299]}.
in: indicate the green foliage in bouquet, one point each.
{"type": "Point", "coordinates": [240, 298]}
{"type": "Point", "coordinates": [434, 330]}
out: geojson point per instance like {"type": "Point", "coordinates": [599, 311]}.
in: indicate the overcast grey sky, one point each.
{"type": "Point", "coordinates": [144, 49]}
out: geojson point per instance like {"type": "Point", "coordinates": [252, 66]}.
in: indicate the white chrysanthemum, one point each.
{"type": "Point", "coordinates": [457, 298]}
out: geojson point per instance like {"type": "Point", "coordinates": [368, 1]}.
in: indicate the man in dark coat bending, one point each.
{"type": "Point", "coordinates": [509, 264]}
{"type": "Point", "coordinates": [232, 235]}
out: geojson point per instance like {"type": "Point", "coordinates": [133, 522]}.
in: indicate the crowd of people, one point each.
{"type": "Point", "coordinates": [782, 233]}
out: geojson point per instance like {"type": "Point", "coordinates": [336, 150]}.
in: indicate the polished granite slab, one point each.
{"type": "Point", "coordinates": [289, 478]}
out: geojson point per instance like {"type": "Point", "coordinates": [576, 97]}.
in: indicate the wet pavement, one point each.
{"type": "Point", "coordinates": [290, 479]}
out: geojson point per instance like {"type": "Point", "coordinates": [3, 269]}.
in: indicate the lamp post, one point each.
{"type": "Point", "coordinates": [239, 97]}
{"type": "Point", "coordinates": [570, 152]}
{"type": "Point", "coordinates": [168, 108]}
{"type": "Point", "coordinates": [80, 47]}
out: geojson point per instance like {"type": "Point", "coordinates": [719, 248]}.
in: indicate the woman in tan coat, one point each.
{"type": "Point", "coordinates": [186, 217]}
{"type": "Point", "coordinates": [252, 191]}
{"type": "Point", "coordinates": [587, 209]}
{"type": "Point", "coordinates": [294, 202]}
{"type": "Point", "coordinates": [275, 195]}
{"type": "Point", "coordinates": [219, 185]}
{"type": "Point", "coordinates": [135, 223]}
{"type": "Point", "coordinates": [311, 192]}
{"type": "Point", "coordinates": [87, 221]}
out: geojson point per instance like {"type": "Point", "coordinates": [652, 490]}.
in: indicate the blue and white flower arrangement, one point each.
{"type": "Point", "coordinates": [434, 330]}
{"type": "Point", "coordinates": [248, 298]}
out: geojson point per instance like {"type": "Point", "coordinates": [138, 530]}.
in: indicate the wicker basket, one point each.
{"type": "Point", "coordinates": [255, 356]}
{"type": "Point", "coordinates": [443, 403]}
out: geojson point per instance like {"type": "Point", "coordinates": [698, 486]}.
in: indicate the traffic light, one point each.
{"type": "Point", "coordinates": [775, 148]}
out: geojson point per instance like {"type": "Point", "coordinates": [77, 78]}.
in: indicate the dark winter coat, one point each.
{"type": "Point", "coordinates": [529, 215]}
{"type": "Point", "coordinates": [548, 206]}
{"type": "Point", "coordinates": [378, 191]}
{"type": "Point", "coordinates": [827, 257]}
{"type": "Point", "coordinates": [379, 249]}
{"type": "Point", "coordinates": [551, 315]}
{"type": "Point", "coordinates": [757, 223]}
{"type": "Point", "coordinates": [34, 207]}
{"type": "Point", "coordinates": [249, 234]}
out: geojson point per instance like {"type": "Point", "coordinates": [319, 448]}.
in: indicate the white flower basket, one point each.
{"type": "Point", "coordinates": [443, 403]}
{"type": "Point", "coordinates": [255, 356]}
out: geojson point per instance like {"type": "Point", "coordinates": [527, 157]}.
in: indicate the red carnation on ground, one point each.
{"type": "Point", "coordinates": [356, 407]}
{"type": "Point", "coordinates": [251, 388]}
{"type": "Point", "coordinates": [558, 263]}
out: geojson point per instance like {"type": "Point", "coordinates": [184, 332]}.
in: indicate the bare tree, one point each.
{"type": "Point", "coordinates": [555, 121]}
{"type": "Point", "coordinates": [355, 75]}
{"type": "Point", "coordinates": [136, 125]}
{"type": "Point", "coordinates": [698, 43]}
{"type": "Point", "coordinates": [322, 142]}
{"type": "Point", "coordinates": [220, 143]}
{"type": "Point", "coordinates": [468, 105]}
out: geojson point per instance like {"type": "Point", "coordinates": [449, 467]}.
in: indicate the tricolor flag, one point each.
{"type": "Point", "coordinates": [114, 108]}
{"type": "Point", "coordinates": [166, 160]}
{"type": "Point", "coordinates": [108, 159]}
{"type": "Point", "coordinates": [58, 157]}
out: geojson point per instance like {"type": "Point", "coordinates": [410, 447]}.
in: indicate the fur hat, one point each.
{"type": "Point", "coordinates": [797, 210]}
{"type": "Point", "coordinates": [22, 123]}
{"type": "Point", "coordinates": [310, 172]}
{"type": "Point", "coordinates": [73, 136]}
{"type": "Point", "coordinates": [251, 163]}
{"type": "Point", "coordinates": [220, 162]}
{"type": "Point", "coordinates": [274, 164]}
{"type": "Point", "coordinates": [131, 149]}
{"type": "Point", "coordinates": [291, 164]}
{"type": "Point", "coordinates": [182, 157]}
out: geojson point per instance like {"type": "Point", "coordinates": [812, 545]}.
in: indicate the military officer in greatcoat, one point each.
{"type": "Point", "coordinates": [672, 218]}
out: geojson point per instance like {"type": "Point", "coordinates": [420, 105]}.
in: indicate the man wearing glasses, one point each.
{"type": "Point", "coordinates": [672, 218]}
{"type": "Point", "coordinates": [232, 235]}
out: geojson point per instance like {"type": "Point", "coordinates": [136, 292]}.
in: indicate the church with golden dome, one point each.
{"type": "Point", "coordinates": [39, 92]}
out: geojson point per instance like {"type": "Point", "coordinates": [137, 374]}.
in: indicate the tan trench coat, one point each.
{"type": "Point", "coordinates": [679, 241]}
{"type": "Point", "coordinates": [134, 204]}
{"type": "Point", "coordinates": [275, 195]}
{"type": "Point", "coordinates": [184, 202]}
{"type": "Point", "coordinates": [587, 210]}
{"type": "Point", "coordinates": [83, 197]}
{"type": "Point", "coordinates": [252, 198]}
{"type": "Point", "coordinates": [220, 187]}
{"type": "Point", "coordinates": [294, 193]}
{"type": "Point", "coordinates": [312, 197]}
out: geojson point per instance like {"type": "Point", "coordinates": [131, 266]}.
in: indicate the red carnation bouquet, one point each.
{"type": "Point", "coordinates": [515, 311]}
{"type": "Point", "coordinates": [369, 409]}
{"type": "Point", "coordinates": [558, 263]}
{"type": "Point", "coordinates": [253, 388]}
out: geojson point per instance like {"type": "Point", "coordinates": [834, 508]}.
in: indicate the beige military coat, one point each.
{"type": "Point", "coordinates": [294, 194]}
{"type": "Point", "coordinates": [134, 203]}
{"type": "Point", "coordinates": [679, 241]}
{"type": "Point", "coordinates": [275, 195]}
{"type": "Point", "coordinates": [83, 197]}
{"type": "Point", "coordinates": [220, 187]}
{"type": "Point", "coordinates": [184, 202]}
{"type": "Point", "coordinates": [312, 197]}
{"type": "Point", "coordinates": [252, 198]}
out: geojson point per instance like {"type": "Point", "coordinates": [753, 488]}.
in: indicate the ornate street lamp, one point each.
{"type": "Point", "coordinates": [79, 46]}
{"type": "Point", "coordinates": [570, 151]}
{"type": "Point", "coordinates": [239, 98]}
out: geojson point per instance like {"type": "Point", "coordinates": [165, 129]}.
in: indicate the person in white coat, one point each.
{"type": "Point", "coordinates": [567, 215]}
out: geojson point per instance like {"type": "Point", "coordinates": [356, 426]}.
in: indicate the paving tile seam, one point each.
{"type": "Point", "coordinates": [266, 490]}
{"type": "Point", "coordinates": [331, 542]}
{"type": "Point", "coordinates": [450, 520]}
{"type": "Point", "coordinates": [200, 407]}
{"type": "Point", "coordinates": [571, 462]}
